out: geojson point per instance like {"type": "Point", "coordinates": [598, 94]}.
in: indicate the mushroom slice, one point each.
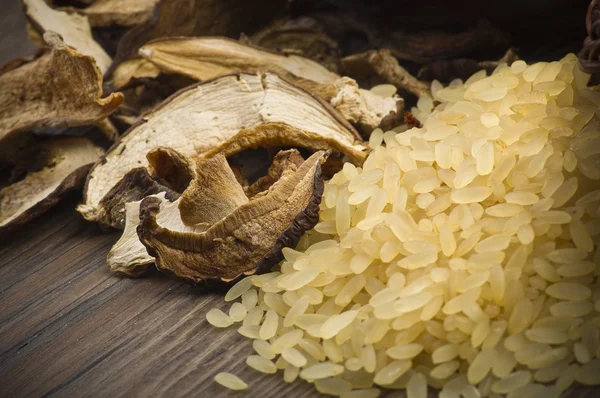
{"type": "Point", "coordinates": [72, 27]}
{"type": "Point", "coordinates": [129, 256]}
{"type": "Point", "coordinates": [264, 110]}
{"type": "Point", "coordinates": [366, 110]}
{"type": "Point", "coordinates": [384, 68]}
{"type": "Point", "coordinates": [135, 68]}
{"type": "Point", "coordinates": [60, 88]}
{"type": "Point", "coordinates": [203, 58]}
{"type": "Point", "coordinates": [309, 42]}
{"type": "Point", "coordinates": [67, 162]}
{"type": "Point", "coordinates": [172, 173]}
{"type": "Point", "coordinates": [119, 12]}
{"type": "Point", "coordinates": [246, 241]}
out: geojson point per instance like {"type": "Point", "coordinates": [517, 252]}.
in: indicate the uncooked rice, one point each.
{"type": "Point", "coordinates": [462, 256]}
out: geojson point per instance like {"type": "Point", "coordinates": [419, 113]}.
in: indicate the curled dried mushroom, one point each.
{"type": "Point", "coordinates": [249, 237]}
{"type": "Point", "coordinates": [66, 163]}
{"type": "Point", "coordinates": [30, 99]}
{"type": "Point", "coordinates": [204, 58]}
{"type": "Point", "coordinates": [228, 114]}
{"type": "Point", "coordinates": [74, 29]}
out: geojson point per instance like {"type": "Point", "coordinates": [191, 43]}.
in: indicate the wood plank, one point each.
{"type": "Point", "coordinates": [70, 328]}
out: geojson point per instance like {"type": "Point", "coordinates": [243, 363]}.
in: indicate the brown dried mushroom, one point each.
{"type": "Point", "coordinates": [228, 114]}
{"type": "Point", "coordinates": [203, 58]}
{"type": "Point", "coordinates": [72, 27]}
{"type": "Point", "coordinates": [249, 237]}
{"type": "Point", "coordinates": [67, 161]}
{"type": "Point", "coordinates": [30, 99]}
{"type": "Point", "coordinates": [119, 12]}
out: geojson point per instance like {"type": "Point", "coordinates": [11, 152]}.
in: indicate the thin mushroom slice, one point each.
{"type": "Point", "coordinates": [74, 29]}
{"type": "Point", "coordinates": [119, 12]}
{"type": "Point", "coordinates": [68, 160]}
{"type": "Point", "coordinates": [129, 256]}
{"type": "Point", "coordinates": [170, 172]}
{"type": "Point", "coordinates": [201, 117]}
{"type": "Point", "coordinates": [203, 58]}
{"type": "Point", "coordinates": [60, 88]}
{"type": "Point", "coordinates": [384, 68]}
{"type": "Point", "coordinates": [246, 241]}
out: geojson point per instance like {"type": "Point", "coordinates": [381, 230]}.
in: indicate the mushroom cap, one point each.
{"type": "Point", "coordinates": [264, 108]}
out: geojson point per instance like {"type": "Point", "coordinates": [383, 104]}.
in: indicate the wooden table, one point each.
{"type": "Point", "coordinates": [69, 328]}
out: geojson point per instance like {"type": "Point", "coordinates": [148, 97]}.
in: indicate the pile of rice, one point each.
{"type": "Point", "coordinates": [463, 256]}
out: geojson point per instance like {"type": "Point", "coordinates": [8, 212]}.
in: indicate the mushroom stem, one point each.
{"type": "Point", "coordinates": [213, 195]}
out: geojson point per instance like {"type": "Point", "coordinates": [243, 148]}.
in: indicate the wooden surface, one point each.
{"type": "Point", "coordinates": [68, 328]}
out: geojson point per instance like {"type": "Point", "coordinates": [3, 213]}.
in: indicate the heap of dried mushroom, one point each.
{"type": "Point", "coordinates": [206, 135]}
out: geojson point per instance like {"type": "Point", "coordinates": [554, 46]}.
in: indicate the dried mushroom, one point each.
{"type": "Point", "coordinates": [129, 256]}
{"type": "Point", "coordinates": [67, 161]}
{"type": "Point", "coordinates": [228, 114]}
{"type": "Point", "coordinates": [589, 60]}
{"type": "Point", "coordinates": [60, 88]}
{"type": "Point", "coordinates": [119, 12]}
{"type": "Point", "coordinates": [283, 162]}
{"type": "Point", "coordinates": [248, 239]}
{"type": "Point", "coordinates": [135, 68]}
{"type": "Point", "coordinates": [203, 58]}
{"type": "Point", "coordinates": [72, 27]}
{"type": "Point", "coordinates": [197, 17]}
{"type": "Point", "coordinates": [170, 172]}
{"type": "Point", "coordinates": [309, 42]}
{"type": "Point", "coordinates": [380, 66]}
{"type": "Point", "coordinates": [364, 109]}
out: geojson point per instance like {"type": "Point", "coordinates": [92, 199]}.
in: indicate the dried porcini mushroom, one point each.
{"type": "Point", "coordinates": [247, 240]}
{"type": "Point", "coordinates": [259, 110]}
{"type": "Point", "coordinates": [365, 109]}
{"type": "Point", "coordinates": [119, 12]}
{"type": "Point", "coordinates": [60, 88]}
{"type": "Point", "coordinates": [129, 256]}
{"type": "Point", "coordinates": [135, 68]}
{"type": "Point", "coordinates": [197, 17]}
{"type": "Point", "coordinates": [589, 59]}
{"type": "Point", "coordinates": [170, 172]}
{"type": "Point", "coordinates": [380, 66]}
{"type": "Point", "coordinates": [308, 42]}
{"type": "Point", "coordinates": [283, 162]}
{"type": "Point", "coordinates": [203, 58]}
{"type": "Point", "coordinates": [74, 29]}
{"type": "Point", "coordinates": [213, 194]}
{"type": "Point", "coordinates": [67, 161]}
{"type": "Point", "coordinates": [424, 47]}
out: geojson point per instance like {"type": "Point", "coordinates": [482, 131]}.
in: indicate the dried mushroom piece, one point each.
{"type": "Point", "coordinates": [589, 60]}
{"type": "Point", "coordinates": [213, 194]}
{"type": "Point", "coordinates": [60, 88]}
{"type": "Point", "coordinates": [248, 240]}
{"type": "Point", "coordinates": [203, 58]}
{"type": "Point", "coordinates": [197, 17]}
{"type": "Point", "coordinates": [283, 162]}
{"type": "Point", "coordinates": [170, 172]}
{"type": "Point", "coordinates": [380, 66]}
{"type": "Point", "coordinates": [129, 256]}
{"type": "Point", "coordinates": [72, 27]}
{"type": "Point", "coordinates": [119, 12]}
{"type": "Point", "coordinates": [364, 109]}
{"type": "Point", "coordinates": [264, 110]}
{"type": "Point", "coordinates": [67, 161]}
{"type": "Point", "coordinates": [135, 68]}
{"type": "Point", "coordinates": [308, 42]}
